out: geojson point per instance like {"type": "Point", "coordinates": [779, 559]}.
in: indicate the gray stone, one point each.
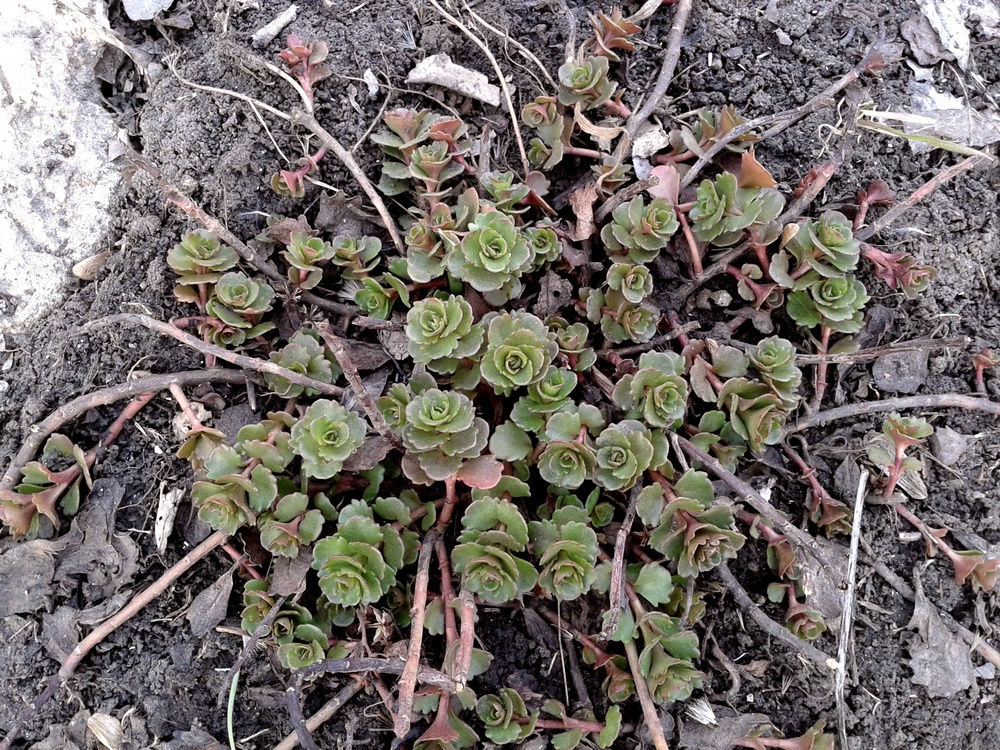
{"type": "Point", "coordinates": [900, 372]}
{"type": "Point", "coordinates": [145, 10]}
{"type": "Point", "coordinates": [948, 445]}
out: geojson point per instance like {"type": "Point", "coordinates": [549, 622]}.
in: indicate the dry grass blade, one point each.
{"type": "Point", "coordinates": [847, 616]}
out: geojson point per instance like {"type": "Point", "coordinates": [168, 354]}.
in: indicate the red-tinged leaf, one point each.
{"type": "Point", "coordinates": [669, 183]}
{"type": "Point", "coordinates": [482, 473]}
{"type": "Point", "coordinates": [752, 174]}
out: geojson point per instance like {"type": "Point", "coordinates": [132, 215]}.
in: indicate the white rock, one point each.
{"type": "Point", "coordinates": [440, 70]}
{"type": "Point", "coordinates": [145, 10]}
{"type": "Point", "coordinates": [54, 173]}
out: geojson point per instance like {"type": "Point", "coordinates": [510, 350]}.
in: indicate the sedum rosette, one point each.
{"type": "Point", "coordinates": [492, 531]}
{"type": "Point", "coordinates": [441, 432]}
{"type": "Point", "coordinates": [325, 437]}
{"type": "Point", "coordinates": [723, 211]}
{"type": "Point", "coordinates": [640, 231]}
{"type": "Point", "coordinates": [492, 257]}
{"type": "Point", "coordinates": [657, 393]}
{"type": "Point", "coordinates": [519, 350]}
{"type": "Point", "coordinates": [566, 548]}
{"type": "Point", "coordinates": [441, 332]}
{"type": "Point", "coordinates": [357, 565]}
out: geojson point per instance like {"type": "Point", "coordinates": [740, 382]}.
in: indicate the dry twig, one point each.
{"type": "Point", "coordinates": [919, 194]}
{"type": "Point", "coordinates": [79, 406]}
{"type": "Point", "coordinates": [514, 119]}
{"type": "Point", "coordinates": [240, 360]}
{"type": "Point", "coordinates": [408, 681]}
{"type": "Point", "coordinates": [616, 592]}
{"type": "Point", "coordinates": [324, 714]}
{"type": "Point", "coordinates": [847, 616]}
{"type": "Point", "coordinates": [769, 626]}
{"type": "Point", "coordinates": [863, 408]}
{"type": "Point", "coordinates": [762, 506]}
{"type": "Point", "coordinates": [671, 54]}
{"type": "Point", "coordinates": [343, 358]}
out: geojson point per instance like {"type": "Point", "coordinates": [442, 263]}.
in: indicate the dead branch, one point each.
{"type": "Point", "coordinates": [79, 406]}
{"type": "Point", "coordinates": [240, 360]}
{"type": "Point", "coordinates": [616, 591]}
{"type": "Point", "coordinates": [866, 355]}
{"type": "Point", "coordinates": [343, 357]}
{"type": "Point", "coordinates": [863, 408]}
{"type": "Point", "coordinates": [769, 626]}
{"type": "Point", "coordinates": [408, 680]}
{"type": "Point", "coordinates": [324, 714]}
{"type": "Point", "coordinates": [762, 506]}
{"type": "Point", "coordinates": [425, 675]}
{"type": "Point", "coordinates": [649, 713]}
{"type": "Point", "coordinates": [671, 54]}
{"type": "Point", "coordinates": [919, 194]}
{"type": "Point", "coordinates": [873, 58]}
{"type": "Point", "coordinates": [308, 121]}
{"type": "Point", "coordinates": [904, 590]}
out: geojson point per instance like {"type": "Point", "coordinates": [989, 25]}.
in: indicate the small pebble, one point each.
{"type": "Point", "coordinates": [900, 372]}
{"type": "Point", "coordinates": [948, 445]}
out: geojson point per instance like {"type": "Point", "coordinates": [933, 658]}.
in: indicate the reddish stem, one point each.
{"type": "Point", "coordinates": [617, 109]}
{"type": "Point", "coordinates": [586, 153]}
{"type": "Point", "coordinates": [447, 592]}
{"type": "Point", "coordinates": [569, 723]}
{"type": "Point", "coordinates": [450, 499]}
{"type": "Point", "coordinates": [696, 265]}
{"type": "Point", "coordinates": [248, 567]}
{"type": "Point", "coordinates": [821, 367]}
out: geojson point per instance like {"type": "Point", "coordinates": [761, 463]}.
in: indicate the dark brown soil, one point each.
{"type": "Point", "coordinates": [215, 149]}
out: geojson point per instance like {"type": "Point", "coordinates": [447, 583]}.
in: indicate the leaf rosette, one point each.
{"type": "Point", "coordinates": [441, 432]}
{"type": "Point", "coordinates": [624, 451]}
{"type": "Point", "coordinates": [325, 437]}
{"type": "Point", "coordinates": [639, 231]}
{"type": "Point", "coordinates": [585, 82]}
{"type": "Point", "coordinates": [657, 393]}
{"type": "Point", "coordinates": [566, 548]}
{"type": "Point", "coordinates": [306, 355]}
{"type": "Point", "coordinates": [723, 211]}
{"type": "Point", "coordinates": [492, 257]}
{"type": "Point", "coordinates": [441, 332]}
{"type": "Point", "coordinates": [519, 350]}
{"type": "Point", "coordinates": [357, 565]}
{"type": "Point", "coordinates": [492, 531]}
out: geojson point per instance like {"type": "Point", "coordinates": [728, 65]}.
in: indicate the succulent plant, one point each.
{"type": "Point", "coordinates": [548, 395]}
{"type": "Point", "coordinates": [492, 257]}
{"type": "Point", "coordinates": [622, 320]}
{"type": "Point", "coordinates": [239, 302]}
{"type": "Point", "coordinates": [358, 564]}
{"type": "Point", "coordinates": [545, 243]}
{"type": "Point", "coordinates": [612, 33]}
{"type": "Point", "coordinates": [774, 361]}
{"type": "Point", "coordinates": [624, 451]}
{"type": "Point", "coordinates": [570, 457]}
{"type": "Point", "coordinates": [545, 115]}
{"type": "Point", "coordinates": [441, 432]}
{"type": "Point", "coordinates": [433, 164]}
{"type": "Point", "coordinates": [375, 300]}
{"type": "Point", "coordinates": [756, 413]}
{"type": "Point", "coordinates": [507, 193]}
{"type": "Point", "coordinates": [356, 256]}
{"type": "Point", "coordinates": [901, 271]}
{"type": "Point", "coordinates": [505, 717]}
{"type": "Point", "coordinates": [657, 393]}
{"type": "Point", "coordinates": [634, 282]}
{"type": "Point", "coordinates": [670, 679]}
{"type": "Point", "coordinates": [308, 647]}
{"type": "Point", "coordinates": [305, 355]}
{"type": "Point", "coordinates": [519, 350]}
{"type": "Point", "coordinates": [393, 405]}
{"type": "Point", "coordinates": [690, 529]}
{"type": "Point", "coordinates": [267, 441]}
{"type": "Point", "coordinates": [585, 82]}
{"type": "Point", "coordinates": [492, 531]}
{"type": "Point", "coordinates": [832, 302]}
{"type": "Point", "coordinates": [257, 603]}
{"type": "Point", "coordinates": [304, 254]}
{"type": "Point", "coordinates": [291, 525]}
{"type": "Point", "coordinates": [572, 343]}
{"type": "Point", "coordinates": [610, 175]}
{"type": "Point", "coordinates": [900, 433]}
{"type": "Point", "coordinates": [325, 437]}
{"type": "Point", "coordinates": [566, 548]}
{"type": "Point", "coordinates": [723, 211]}
{"type": "Point", "coordinates": [715, 435]}
{"type": "Point", "coordinates": [222, 503]}
{"type": "Point", "coordinates": [827, 246]}
{"type": "Point", "coordinates": [200, 259]}
{"type": "Point", "coordinates": [441, 332]}
{"type": "Point", "coordinates": [544, 156]}
{"type": "Point", "coordinates": [639, 231]}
